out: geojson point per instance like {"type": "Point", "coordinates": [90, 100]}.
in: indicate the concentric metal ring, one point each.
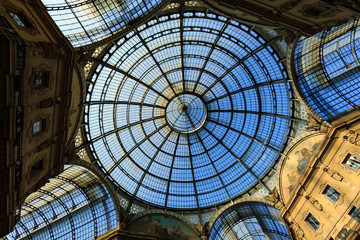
{"type": "Point", "coordinates": [186, 113]}
{"type": "Point", "coordinates": [237, 97]}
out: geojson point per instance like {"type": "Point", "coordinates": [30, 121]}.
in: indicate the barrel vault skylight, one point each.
{"type": "Point", "coordinates": [85, 22]}
{"type": "Point", "coordinates": [188, 111]}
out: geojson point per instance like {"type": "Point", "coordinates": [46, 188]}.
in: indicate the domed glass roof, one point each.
{"type": "Point", "coordinates": [188, 111]}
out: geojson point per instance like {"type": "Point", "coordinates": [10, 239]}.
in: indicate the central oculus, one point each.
{"type": "Point", "coordinates": [186, 113]}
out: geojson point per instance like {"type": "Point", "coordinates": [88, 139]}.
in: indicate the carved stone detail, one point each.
{"type": "Point", "coordinates": [203, 229]}
{"type": "Point", "coordinates": [314, 125]}
{"type": "Point", "coordinates": [49, 103]}
{"type": "Point", "coordinates": [288, 35]}
{"type": "Point", "coordinates": [84, 58]}
{"type": "Point", "coordinates": [297, 231]}
{"type": "Point", "coordinates": [334, 174]}
{"type": "Point", "coordinates": [44, 145]}
{"type": "Point", "coordinates": [353, 138]}
{"type": "Point", "coordinates": [314, 202]}
{"type": "Point", "coordinates": [275, 198]}
{"type": "Point", "coordinates": [126, 218]}
{"type": "Point", "coordinates": [41, 90]}
{"type": "Point", "coordinates": [50, 50]}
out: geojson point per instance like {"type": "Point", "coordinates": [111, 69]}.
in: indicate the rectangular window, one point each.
{"type": "Point", "coordinates": [36, 168]}
{"type": "Point", "coordinates": [355, 213]}
{"type": "Point", "coordinates": [38, 127]}
{"type": "Point", "coordinates": [20, 19]}
{"type": "Point", "coordinates": [331, 193]}
{"type": "Point", "coordinates": [41, 79]}
{"type": "Point", "coordinates": [314, 223]}
{"type": "Point", "coordinates": [352, 161]}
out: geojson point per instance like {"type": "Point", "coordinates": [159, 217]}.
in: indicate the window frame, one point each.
{"type": "Point", "coordinates": [351, 165]}
{"type": "Point", "coordinates": [45, 79]}
{"type": "Point", "coordinates": [355, 213]}
{"type": "Point", "coordinates": [312, 221]}
{"type": "Point", "coordinates": [37, 168]}
{"type": "Point", "coordinates": [20, 19]}
{"type": "Point", "coordinates": [40, 127]}
{"type": "Point", "coordinates": [331, 193]}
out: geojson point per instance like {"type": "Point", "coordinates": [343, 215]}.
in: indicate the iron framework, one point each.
{"type": "Point", "coordinates": [88, 22]}
{"type": "Point", "coordinates": [328, 70]}
{"type": "Point", "coordinates": [249, 220]}
{"type": "Point", "coordinates": [73, 205]}
{"type": "Point", "coordinates": [230, 68]}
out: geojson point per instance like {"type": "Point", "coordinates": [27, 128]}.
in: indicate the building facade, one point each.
{"type": "Point", "coordinates": [179, 119]}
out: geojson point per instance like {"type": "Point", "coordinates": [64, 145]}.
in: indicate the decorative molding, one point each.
{"type": "Point", "coordinates": [319, 230]}
{"type": "Point", "coordinates": [307, 9]}
{"type": "Point", "coordinates": [296, 230]}
{"type": "Point", "coordinates": [125, 218]}
{"type": "Point", "coordinates": [44, 145]}
{"type": "Point", "coordinates": [50, 50]}
{"type": "Point", "coordinates": [346, 168]}
{"type": "Point", "coordinates": [334, 174]}
{"type": "Point", "coordinates": [9, 7]}
{"type": "Point", "coordinates": [275, 198]}
{"type": "Point", "coordinates": [36, 177]}
{"type": "Point", "coordinates": [353, 137]}
{"type": "Point", "coordinates": [314, 202]}
{"type": "Point", "coordinates": [339, 201]}
{"type": "Point", "coordinates": [49, 102]}
{"type": "Point", "coordinates": [203, 230]}
{"type": "Point", "coordinates": [314, 125]}
{"type": "Point", "coordinates": [289, 36]}
{"type": "Point", "coordinates": [40, 90]}
{"type": "Point", "coordinates": [39, 135]}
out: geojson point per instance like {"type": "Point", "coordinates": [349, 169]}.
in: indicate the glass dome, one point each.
{"type": "Point", "coordinates": [86, 22]}
{"type": "Point", "coordinates": [188, 111]}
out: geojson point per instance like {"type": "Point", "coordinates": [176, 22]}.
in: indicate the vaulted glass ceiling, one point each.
{"type": "Point", "coordinates": [188, 111]}
{"type": "Point", "coordinates": [249, 221]}
{"type": "Point", "coordinates": [328, 72]}
{"type": "Point", "coordinates": [73, 205]}
{"type": "Point", "coordinates": [85, 22]}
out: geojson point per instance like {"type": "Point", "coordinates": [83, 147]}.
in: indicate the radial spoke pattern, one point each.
{"type": "Point", "coordinates": [87, 21]}
{"type": "Point", "coordinates": [188, 111]}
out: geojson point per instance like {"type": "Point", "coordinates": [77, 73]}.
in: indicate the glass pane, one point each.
{"type": "Point", "coordinates": [188, 123]}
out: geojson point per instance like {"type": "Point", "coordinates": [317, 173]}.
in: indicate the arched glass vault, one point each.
{"type": "Point", "coordinates": [87, 22]}
{"type": "Point", "coordinates": [327, 67]}
{"type": "Point", "coordinates": [189, 110]}
{"type": "Point", "coordinates": [73, 205]}
{"type": "Point", "coordinates": [249, 220]}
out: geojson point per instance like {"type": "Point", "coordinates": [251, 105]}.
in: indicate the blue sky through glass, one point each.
{"type": "Point", "coordinates": [230, 69]}
{"type": "Point", "coordinates": [85, 22]}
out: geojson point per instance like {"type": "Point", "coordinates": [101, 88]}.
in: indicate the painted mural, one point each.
{"type": "Point", "coordinates": [162, 226]}
{"type": "Point", "coordinates": [296, 163]}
